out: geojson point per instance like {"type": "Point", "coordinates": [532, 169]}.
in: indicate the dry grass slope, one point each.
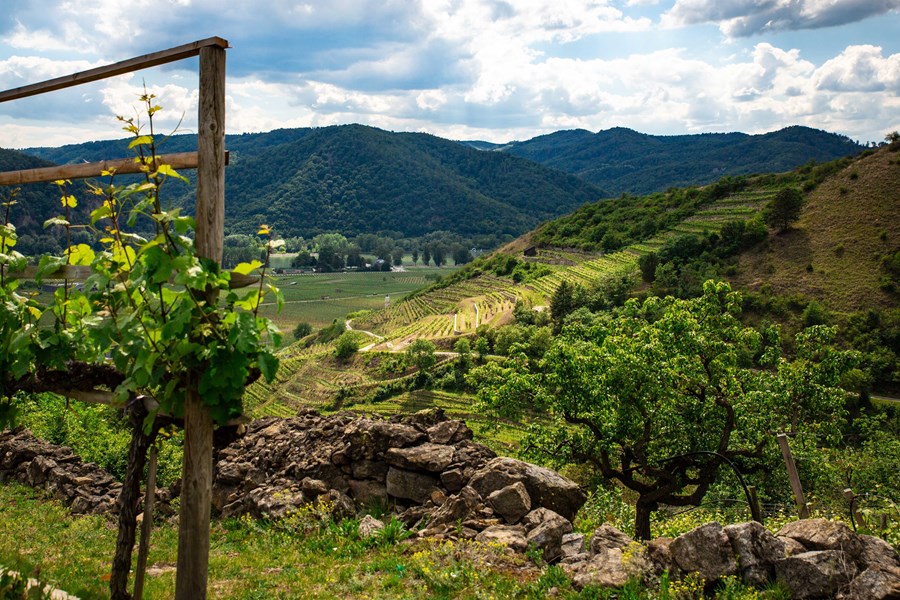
{"type": "Point", "coordinates": [834, 252]}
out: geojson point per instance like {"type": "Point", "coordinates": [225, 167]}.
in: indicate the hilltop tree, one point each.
{"type": "Point", "coordinates": [784, 209]}
{"type": "Point", "coordinates": [662, 396]}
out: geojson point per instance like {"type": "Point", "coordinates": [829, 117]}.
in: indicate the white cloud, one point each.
{"type": "Point", "coordinates": [740, 18]}
{"type": "Point", "coordinates": [860, 69]}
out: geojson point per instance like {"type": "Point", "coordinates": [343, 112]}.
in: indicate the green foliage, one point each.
{"type": "Point", "coordinates": [302, 329]}
{"type": "Point", "coordinates": [647, 395]}
{"type": "Point", "coordinates": [785, 208]}
{"type": "Point", "coordinates": [147, 309]}
{"type": "Point", "coordinates": [616, 159]}
{"type": "Point", "coordinates": [346, 346]}
{"type": "Point", "coordinates": [421, 354]}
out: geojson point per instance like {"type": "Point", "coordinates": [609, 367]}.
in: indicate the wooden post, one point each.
{"type": "Point", "coordinates": [146, 525]}
{"type": "Point", "coordinates": [793, 476]}
{"type": "Point", "coordinates": [196, 481]}
{"type": "Point", "coordinates": [755, 508]}
{"type": "Point", "coordinates": [858, 517]}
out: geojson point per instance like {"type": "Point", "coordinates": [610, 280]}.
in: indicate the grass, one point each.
{"type": "Point", "coordinates": [320, 298]}
{"type": "Point", "coordinates": [833, 253]}
{"type": "Point", "coordinates": [305, 556]}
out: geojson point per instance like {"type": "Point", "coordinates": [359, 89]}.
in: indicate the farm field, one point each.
{"type": "Point", "coordinates": [320, 298]}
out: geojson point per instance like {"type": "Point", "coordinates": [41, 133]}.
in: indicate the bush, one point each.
{"type": "Point", "coordinates": [346, 346]}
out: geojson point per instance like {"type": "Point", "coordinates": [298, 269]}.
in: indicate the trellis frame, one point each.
{"type": "Point", "coordinates": [210, 161]}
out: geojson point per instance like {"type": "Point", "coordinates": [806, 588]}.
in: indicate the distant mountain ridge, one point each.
{"type": "Point", "coordinates": [357, 179]}
{"type": "Point", "coordinates": [622, 160]}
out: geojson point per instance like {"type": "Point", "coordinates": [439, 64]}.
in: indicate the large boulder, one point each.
{"type": "Point", "coordinates": [512, 502]}
{"type": "Point", "coordinates": [822, 534]}
{"type": "Point", "coordinates": [433, 458]}
{"type": "Point", "coordinates": [705, 550]}
{"type": "Point", "coordinates": [756, 550]}
{"type": "Point", "coordinates": [606, 569]}
{"type": "Point", "coordinates": [511, 536]}
{"type": "Point", "coordinates": [815, 574]}
{"type": "Point", "coordinates": [410, 485]}
{"type": "Point", "coordinates": [606, 536]}
{"type": "Point", "coordinates": [546, 488]}
{"type": "Point", "coordinates": [875, 584]}
{"type": "Point", "coordinates": [546, 529]}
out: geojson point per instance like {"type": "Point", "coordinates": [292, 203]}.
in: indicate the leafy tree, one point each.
{"type": "Point", "coordinates": [562, 303]}
{"type": "Point", "coordinates": [648, 263]}
{"type": "Point", "coordinates": [784, 209]}
{"type": "Point", "coordinates": [415, 255]}
{"type": "Point", "coordinates": [421, 354]}
{"type": "Point", "coordinates": [302, 329]}
{"type": "Point", "coordinates": [426, 256]}
{"type": "Point", "coordinates": [346, 346]}
{"type": "Point", "coordinates": [660, 397]}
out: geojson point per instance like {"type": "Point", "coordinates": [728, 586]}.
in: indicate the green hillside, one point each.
{"type": "Point", "coordinates": [355, 179]}
{"type": "Point", "coordinates": [624, 161]}
{"type": "Point", "coordinates": [848, 233]}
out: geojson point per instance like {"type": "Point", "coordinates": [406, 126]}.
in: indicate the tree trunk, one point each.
{"type": "Point", "coordinates": [642, 514]}
{"type": "Point", "coordinates": [129, 502]}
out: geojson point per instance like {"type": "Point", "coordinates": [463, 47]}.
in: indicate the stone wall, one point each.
{"type": "Point", "coordinates": [426, 469]}
{"type": "Point", "coordinates": [84, 487]}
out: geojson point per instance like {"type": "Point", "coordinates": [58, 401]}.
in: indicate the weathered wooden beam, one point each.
{"type": "Point", "coordinates": [126, 66]}
{"type": "Point", "coordinates": [178, 160]}
{"type": "Point", "coordinates": [793, 476]}
{"type": "Point", "coordinates": [80, 273]}
{"type": "Point", "coordinates": [196, 476]}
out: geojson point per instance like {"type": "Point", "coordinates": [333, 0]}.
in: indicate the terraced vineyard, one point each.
{"type": "Point", "coordinates": [309, 377]}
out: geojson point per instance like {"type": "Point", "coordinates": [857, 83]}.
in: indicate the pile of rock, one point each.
{"type": "Point", "coordinates": [427, 469]}
{"type": "Point", "coordinates": [813, 558]}
{"type": "Point", "coordinates": [424, 466]}
{"type": "Point", "coordinates": [84, 487]}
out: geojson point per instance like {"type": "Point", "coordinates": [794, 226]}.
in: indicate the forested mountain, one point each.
{"type": "Point", "coordinates": [623, 160]}
{"type": "Point", "coordinates": [355, 179]}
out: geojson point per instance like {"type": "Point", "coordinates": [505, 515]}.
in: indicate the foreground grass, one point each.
{"type": "Point", "coordinates": [303, 557]}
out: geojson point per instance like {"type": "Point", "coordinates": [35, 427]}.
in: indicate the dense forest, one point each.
{"type": "Point", "coordinates": [625, 161]}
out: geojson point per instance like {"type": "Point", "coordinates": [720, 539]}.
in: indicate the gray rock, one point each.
{"type": "Point", "coordinates": [546, 529]}
{"type": "Point", "coordinates": [877, 553]}
{"type": "Point", "coordinates": [606, 536]}
{"type": "Point", "coordinates": [875, 584]}
{"type": "Point", "coordinates": [791, 546]}
{"type": "Point", "coordinates": [313, 487]}
{"type": "Point", "coordinates": [659, 553]}
{"type": "Point", "coordinates": [512, 502]}
{"type": "Point", "coordinates": [572, 545]}
{"type": "Point", "coordinates": [511, 536]}
{"type": "Point", "coordinates": [456, 508]}
{"type": "Point", "coordinates": [705, 550]}
{"type": "Point", "coordinates": [606, 569]}
{"type": "Point", "coordinates": [410, 485]}
{"type": "Point", "coordinates": [449, 432]}
{"type": "Point", "coordinates": [433, 458]}
{"type": "Point", "coordinates": [369, 469]}
{"type": "Point", "coordinates": [368, 493]}
{"type": "Point", "coordinates": [545, 487]}
{"type": "Point", "coordinates": [370, 439]}
{"type": "Point", "coordinates": [369, 526]}
{"type": "Point", "coordinates": [338, 504]}
{"type": "Point", "coordinates": [815, 574]}
{"type": "Point", "coordinates": [822, 534]}
{"type": "Point", "coordinates": [756, 550]}
{"type": "Point", "coordinates": [453, 479]}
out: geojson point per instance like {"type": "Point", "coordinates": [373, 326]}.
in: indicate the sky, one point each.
{"type": "Point", "coordinates": [494, 70]}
